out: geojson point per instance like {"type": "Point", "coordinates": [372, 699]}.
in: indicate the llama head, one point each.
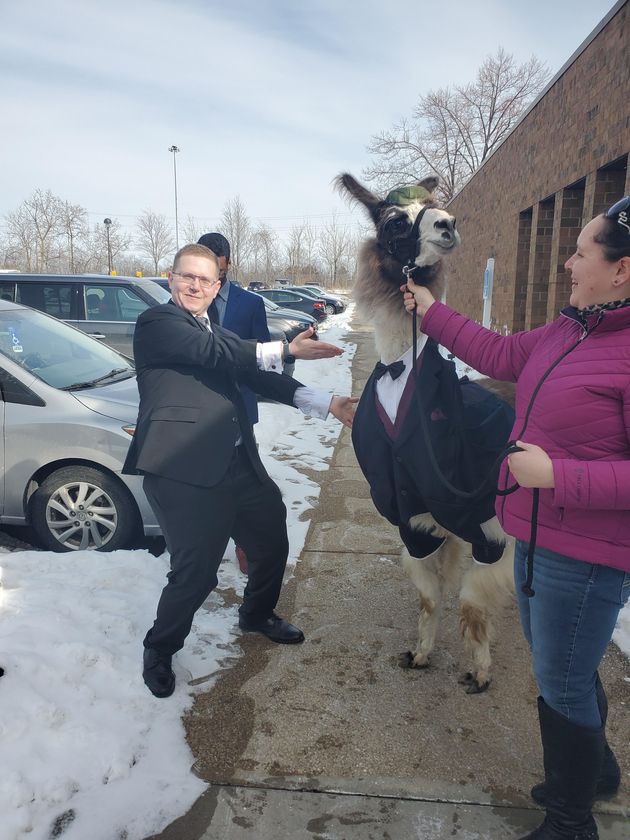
{"type": "Point", "coordinates": [411, 230]}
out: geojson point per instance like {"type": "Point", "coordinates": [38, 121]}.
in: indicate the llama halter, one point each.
{"type": "Point", "coordinates": [405, 248]}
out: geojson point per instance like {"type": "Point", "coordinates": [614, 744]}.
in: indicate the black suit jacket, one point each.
{"type": "Point", "coordinates": [468, 428]}
{"type": "Point", "coordinates": [191, 409]}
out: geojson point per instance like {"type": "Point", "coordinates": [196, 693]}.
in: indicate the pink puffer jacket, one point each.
{"type": "Point", "coordinates": [580, 417]}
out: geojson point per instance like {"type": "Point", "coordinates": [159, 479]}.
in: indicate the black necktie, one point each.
{"type": "Point", "coordinates": [394, 370]}
{"type": "Point", "coordinates": [213, 313]}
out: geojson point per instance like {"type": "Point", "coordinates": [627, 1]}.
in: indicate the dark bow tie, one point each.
{"type": "Point", "coordinates": [394, 370]}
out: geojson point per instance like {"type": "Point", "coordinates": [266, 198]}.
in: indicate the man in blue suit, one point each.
{"type": "Point", "coordinates": [243, 313]}
{"type": "Point", "coordinates": [238, 310]}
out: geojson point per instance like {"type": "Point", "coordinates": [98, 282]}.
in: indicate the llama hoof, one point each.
{"type": "Point", "coordinates": [473, 685]}
{"type": "Point", "coordinates": [405, 660]}
{"type": "Point", "coordinates": [410, 660]}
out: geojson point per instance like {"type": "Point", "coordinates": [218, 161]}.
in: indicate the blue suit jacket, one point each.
{"type": "Point", "coordinates": [246, 316]}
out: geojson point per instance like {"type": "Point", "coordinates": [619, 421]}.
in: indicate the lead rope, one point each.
{"type": "Point", "coordinates": [509, 449]}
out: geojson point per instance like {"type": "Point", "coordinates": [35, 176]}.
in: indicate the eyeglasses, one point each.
{"type": "Point", "coordinates": [190, 278]}
{"type": "Point", "coordinates": [620, 210]}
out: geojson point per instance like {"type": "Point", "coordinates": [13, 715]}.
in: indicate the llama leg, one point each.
{"type": "Point", "coordinates": [422, 572]}
{"type": "Point", "coordinates": [483, 589]}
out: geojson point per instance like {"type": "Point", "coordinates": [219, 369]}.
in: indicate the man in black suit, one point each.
{"type": "Point", "coordinates": [202, 473]}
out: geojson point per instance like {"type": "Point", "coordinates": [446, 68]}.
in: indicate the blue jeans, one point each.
{"type": "Point", "coordinates": [568, 624]}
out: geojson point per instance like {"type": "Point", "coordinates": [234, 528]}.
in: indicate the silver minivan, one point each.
{"type": "Point", "coordinates": [68, 408]}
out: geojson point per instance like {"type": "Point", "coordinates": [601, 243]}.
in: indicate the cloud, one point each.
{"type": "Point", "coordinates": [268, 101]}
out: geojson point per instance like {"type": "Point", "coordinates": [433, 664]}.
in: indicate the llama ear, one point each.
{"type": "Point", "coordinates": [347, 185]}
{"type": "Point", "coordinates": [429, 183]}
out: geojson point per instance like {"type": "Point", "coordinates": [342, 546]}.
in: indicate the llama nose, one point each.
{"type": "Point", "coordinates": [447, 228]}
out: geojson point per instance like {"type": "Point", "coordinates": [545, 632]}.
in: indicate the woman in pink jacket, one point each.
{"type": "Point", "coordinates": [575, 437]}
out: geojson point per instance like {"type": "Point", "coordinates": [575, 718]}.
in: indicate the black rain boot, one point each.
{"type": "Point", "coordinates": [573, 756]}
{"type": "Point", "coordinates": [610, 775]}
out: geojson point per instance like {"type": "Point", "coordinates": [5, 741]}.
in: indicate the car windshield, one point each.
{"type": "Point", "coordinates": [56, 353]}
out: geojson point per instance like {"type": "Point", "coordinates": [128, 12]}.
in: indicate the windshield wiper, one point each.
{"type": "Point", "coordinates": [77, 386]}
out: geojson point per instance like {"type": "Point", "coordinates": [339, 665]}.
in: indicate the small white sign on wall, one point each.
{"type": "Point", "coordinates": [488, 279]}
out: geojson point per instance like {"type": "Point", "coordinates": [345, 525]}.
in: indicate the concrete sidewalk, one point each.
{"type": "Point", "coordinates": [333, 740]}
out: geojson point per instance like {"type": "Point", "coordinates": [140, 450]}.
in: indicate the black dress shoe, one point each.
{"type": "Point", "coordinates": [157, 673]}
{"type": "Point", "coordinates": [274, 628]}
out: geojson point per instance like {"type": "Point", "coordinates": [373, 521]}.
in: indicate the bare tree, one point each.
{"type": "Point", "coordinates": [190, 230]}
{"type": "Point", "coordinates": [236, 226]}
{"type": "Point", "coordinates": [264, 252]}
{"type": "Point", "coordinates": [34, 227]}
{"type": "Point", "coordinates": [74, 224]}
{"type": "Point", "coordinates": [21, 240]}
{"type": "Point", "coordinates": [119, 242]}
{"type": "Point", "coordinates": [155, 238]}
{"type": "Point", "coordinates": [310, 253]}
{"type": "Point", "coordinates": [333, 246]}
{"type": "Point", "coordinates": [453, 130]}
{"type": "Point", "coordinates": [294, 252]}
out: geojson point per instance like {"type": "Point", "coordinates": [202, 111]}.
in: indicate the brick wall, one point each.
{"type": "Point", "coordinates": [564, 163]}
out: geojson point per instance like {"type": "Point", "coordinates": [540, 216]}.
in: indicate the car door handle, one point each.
{"type": "Point", "coordinates": [97, 335]}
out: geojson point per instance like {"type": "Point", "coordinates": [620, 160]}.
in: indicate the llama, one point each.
{"type": "Point", "coordinates": [412, 231]}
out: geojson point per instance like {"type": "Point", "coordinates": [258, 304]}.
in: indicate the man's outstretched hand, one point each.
{"type": "Point", "coordinates": [343, 409]}
{"type": "Point", "coordinates": [304, 347]}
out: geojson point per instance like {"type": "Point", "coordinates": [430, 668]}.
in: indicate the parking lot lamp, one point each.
{"type": "Point", "coordinates": [107, 223]}
{"type": "Point", "coordinates": [174, 150]}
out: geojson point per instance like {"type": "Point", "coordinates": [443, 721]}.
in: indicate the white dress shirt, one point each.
{"type": "Point", "coordinates": [388, 390]}
{"type": "Point", "coordinates": [313, 402]}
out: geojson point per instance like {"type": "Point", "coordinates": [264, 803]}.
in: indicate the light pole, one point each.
{"type": "Point", "coordinates": [174, 150]}
{"type": "Point", "coordinates": [107, 223]}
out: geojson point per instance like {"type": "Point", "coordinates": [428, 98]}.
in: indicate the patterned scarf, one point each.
{"type": "Point", "coordinates": [594, 308]}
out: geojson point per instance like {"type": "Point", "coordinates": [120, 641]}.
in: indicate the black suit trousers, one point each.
{"type": "Point", "coordinates": [197, 523]}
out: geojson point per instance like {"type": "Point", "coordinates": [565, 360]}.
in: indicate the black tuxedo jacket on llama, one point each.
{"type": "Point", "coordinates": [468, 428]}
{"type": "Point", "coordinates": [191, 408]}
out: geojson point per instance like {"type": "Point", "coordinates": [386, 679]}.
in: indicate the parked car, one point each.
{"type": "Point", "coordinates": [276, 330]}
{"type": "Point", "coordinates": [290, 321]}
{"type": "Point", "coordinates": [334, 304]}
{"type": "Point", "coordinates": [344, 298]}
{"type": "Point", "coordinates": [104, 307]}
{"type": "Point", "coordinates": [296, 300]}
{"type": "Point", "coordinates": [68, 408]}
{"type": "Point", "coordinates": [256, 285]}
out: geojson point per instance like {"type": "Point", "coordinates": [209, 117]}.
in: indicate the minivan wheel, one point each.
{"type": "Point", "coordinates": [78, 508]}
{"type": "Point", "coordinates": [330, 309]}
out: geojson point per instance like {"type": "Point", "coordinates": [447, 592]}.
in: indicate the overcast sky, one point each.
{"type": "Point", "coordinates": [266, 100]}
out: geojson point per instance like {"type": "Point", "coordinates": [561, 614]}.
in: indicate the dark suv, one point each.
{"type": "Point", "coordinates": [104, 307]}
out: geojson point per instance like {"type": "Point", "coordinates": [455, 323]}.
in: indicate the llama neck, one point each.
{"type": "Point", "coordinates": [392, 336]}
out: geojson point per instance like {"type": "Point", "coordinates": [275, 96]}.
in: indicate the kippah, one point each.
{"type": "Point", "coordinates": [408, 195]}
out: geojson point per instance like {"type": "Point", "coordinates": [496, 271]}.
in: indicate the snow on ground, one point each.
{"type": "Point", "coordinates": [87, 752]}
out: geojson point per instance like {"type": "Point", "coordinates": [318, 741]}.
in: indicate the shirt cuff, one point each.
{"type": "Point", "coordinates": [269, 356]}
{"type": "Point", "coordinates": [312, 401]}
